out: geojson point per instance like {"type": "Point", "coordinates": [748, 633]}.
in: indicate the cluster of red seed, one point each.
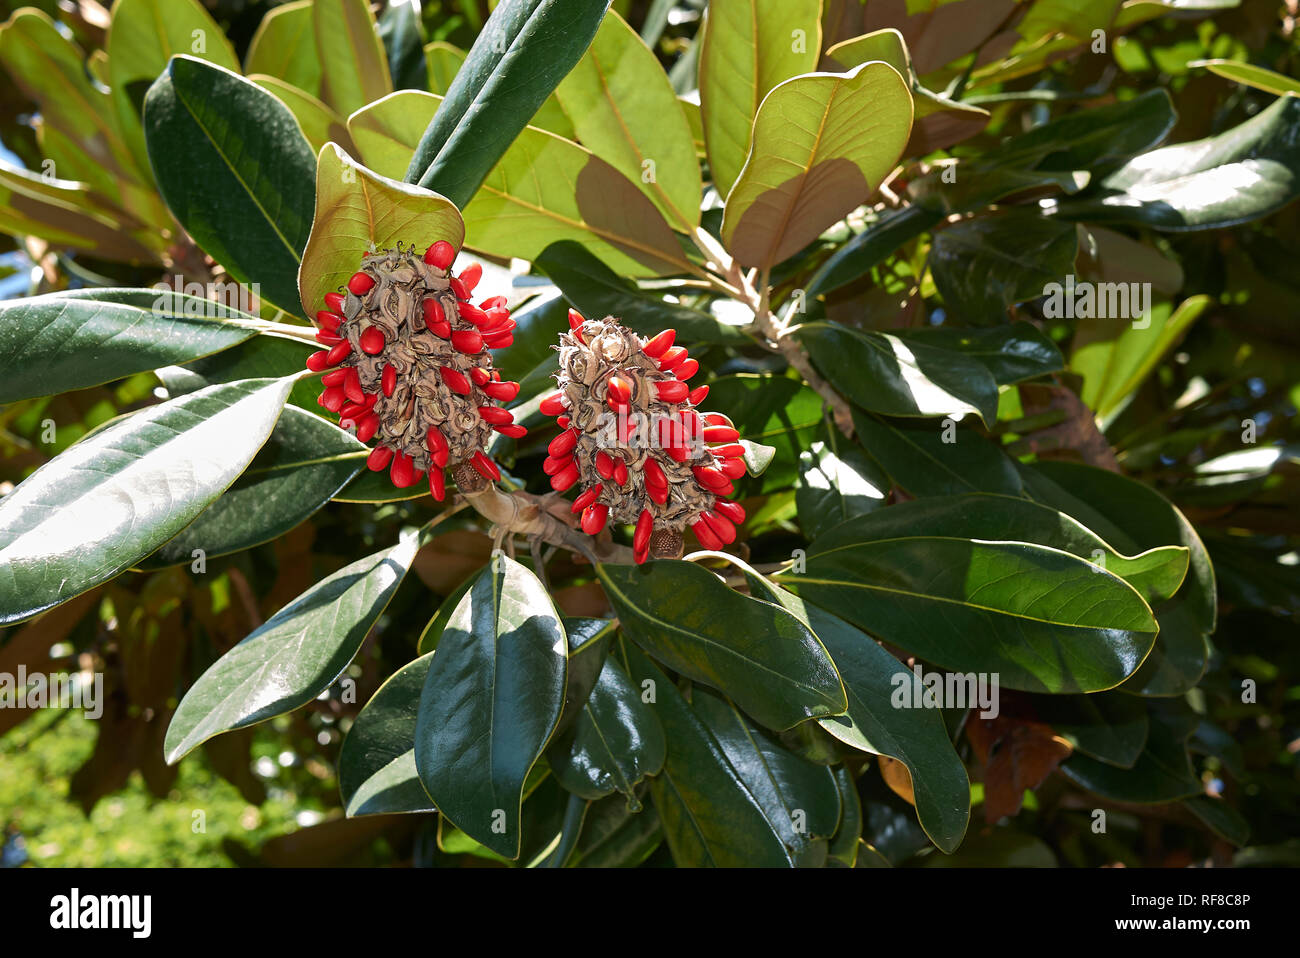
{"type": "Point", "coordinates": [408, 365]}
{"type": "Point", "coordinates": [665, 481]}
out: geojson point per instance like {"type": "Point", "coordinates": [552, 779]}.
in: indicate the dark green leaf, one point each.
{"type": "Point", "coordinates": [1162, 773]}
{"type": "Point", "coordinates": [62, 341]}
{"type": "Point", "coordinates": [1107, 726]}
{"type": "Point", "coordinates": [936, 458]}
{"type": "Point", "coordinates": [837, 485]}
{"type": "Point", "coordinates": [761, 656]}
{"type": "Point", "coordinates": [116, 496]}
{"type": "Point", "coordinates": [295, 656]}
{"type": "Point", "coordinates": [848, 837]}
{"type": "Point", "coordinates": [234, 167]}
{"type": "Point", "coordinates": [262, 357]}
{"type": "Point", "coordinates": [491, 702]}
{"type": "Point", "coordinates": [521, 55]}
{"type": "Point", "coordinates": [1012, 353]}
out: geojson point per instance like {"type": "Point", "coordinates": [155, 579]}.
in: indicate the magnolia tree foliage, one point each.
{"type": "Point", "coordinates": [768, 433]}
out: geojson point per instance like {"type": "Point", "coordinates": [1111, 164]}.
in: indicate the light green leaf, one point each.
{"type": "Point", "coordinates": [355, 68]}
{"type": "Point", "coordinates": [284, 47]}
{"type": "Point", "coordinates": [1270, 81]}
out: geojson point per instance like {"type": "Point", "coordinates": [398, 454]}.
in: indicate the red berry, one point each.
{"type": "Point", "coordinates": [472, 313]}
{"type": "Point", "coordinates": [485, 466]}
{"type": "Point", "coordinates": [367, 427]}
{"type": "Point", "coordinates": [565, 478]}
{"type": "Point", "coordinates": [654, 475]}
{"type": "Point", "coordinates": [502, 391]}
{"type": "Point", "coordinates": [513, 430]}
{"type": "Point", "coordinates": [319, 360]}
{"type": "Point", "coordinates": [720, 434]}
{"type": "Point", "coordinates": [338, 353]}
{"type": "Point", "coordinates": [686, 369]}
{"type": "Point", "coordinates": [697, 395]}
{"type": "Point", "coordinates": [732, 468]}
{"type": "Point", "coordinates": [593, 518]}
{"type": "Point", "coordinates": [480, 376]}
{"type": "Point", "coordinates": [585, 499]}
{"type": "Point", "coordinates": [326, 338]}
{"type": "Point", "coordinates": [441, 254]}
{"type": "Point", "coordinates": [495, 415]}
{"type": "Point", "coordinates": [458, 288]}
{"type": "Point", "coordinates": [619, 390]}
{"type": "Point", "coordinates": [493, 302]}
{"type": "Point", "coordinates": [388, 380]}
{"type": "Point", "coordinates": [670, 390]}
{"type": "Point", "coordinates": [335, 377]}
{"type": "Point", "coordinates": [575, 319]}
{"type": "Point", "coordinates": [645, 525]}
{"type": "Point", "coordinates": [467, 340]}
{"type": "Point", "coordinates": [562, 445]}
{"type": "Point", "coordinates": [352, 385]}
{"type": "Point", "coordinates": [709, 476]}
{"type": "Point", "coordinates": [470, 276]}
{"type": "Point", "coordinates": [332, 398]}
{"type": "Point", "coordinates": [327, 320]}
{"type": "Point", "coordinates": [706, 536]}
{"type": "Point", "coordinates": [437, 444]}
{"type": "Point", "coordinates": [402, 471]}
{"type": "Point", "coordinates": [620, 472]}
{"type": "Point", "coordinates": [673, 358]}
{"type": "Point", "coordinates": [732, 510]}
{"type": "Point", "coordinates": [379, 458]}
{"type": "Point", "coordinates": [335, 301]}
{"type": "Point", "coordinates": [455, 381]}
{"type": "Point", "coordinates": [554, 464]}
{"type": "Point", "coordinates": [360, 283]}
{"type": "Point", "coordinates": [720, 527]}
{"type": "Point", "coordinates": [660, 344]}
{"type": "Point", "coordinates": [437, 484]}
{"type": "Point", "coordinates": [604, 465]}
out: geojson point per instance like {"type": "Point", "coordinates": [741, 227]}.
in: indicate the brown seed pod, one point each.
{"type": "Point", "coordinates": [409, 365]}
{"type": "Point", "coordinates": [635, 444]}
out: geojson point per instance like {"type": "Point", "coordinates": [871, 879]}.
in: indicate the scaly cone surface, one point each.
{"type": "Point", "coordinates": [634, 443]}
{"type": "Point", "coordinates": [409, 365]}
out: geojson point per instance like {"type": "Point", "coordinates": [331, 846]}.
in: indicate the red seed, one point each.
{"type": "Point", "coordinates": [640, 555]}
{"type": "Point", "coordinates": [709, 476]}
{"type": "Point", "coordinates": [335, 301]}
{"type": "Point", "coordinates": [388, 381]}
{"type": "Point", "coordinates": [645, 525]}
{"type": "Point", "coordinates": [328, 320]}
{"type": "Point", "coordinates": [438, 449]}
{"type": "Point", "coordinates": [497, 318]}
{"type": "Point", "coordinates": [501, 342]}
{"type": "Point", "coordinates": [563, 444]}
{"type": "Point", "coordinates": [720, 527]}
{"type": "Point", "coordinates": [604, 465]}
{"type": "Point", "coordinates": [618, 389]}
{"type": "Point", "coordinates": [433, 314]}
{"type": "Point", "coordinates": [472, 313]}
{"type": "Point", "coordinates": [585, 499]}
{"type": "Point", "coordinates": [670, 390]}
{"type": "Point", "coordinates": [352, 386]}
{"type": "Point", "coordinates": [706, 536]}
{"type": "Point", "coordinates": [716, 419]}
{"type": "Point", "coordinates": [565, 478]}
{"type": "Point", "coordinates": [437, 484]}
{"type": "Point", "coordinates": [679, 453]}
{"type": "Point", "coordinates": [352, 412]}
{"type": "Point", "coordinates": [493, 302]}
{"type": "Point", "coordinates": [361, 284]}
{"type": "Point", "coordinates": [720, 434]}
{"type": "Point", "coordinates": [734, 451]}
{"type": "Point", "coordinates": [514, 430]}
{"type": "Point", "coordinates": [593, 518]}
{"type": "Point", "coordinates": [692, 428]}
{"type": "Point", "coordinates": [553, 464]}
{"type": "Point", "coordinates": [575, 319]}
{"type": "Point", "coordinates": [686, 369]}
{"type": "Point", "coordinates": [458, 288]}
{"type": "Point", "coordinates": [338, 353]}
{"type": "Point", "coordinates": [728, 490]}
{"type": "Point", "coordinates": [441, 254]}
{"type": "Point", "coordinates": [467, 340]}
{"type": "Point", "coordinates": [495, 415]}
{"type": "Point", "coordinates": [656, 494]}
{"type": "Point", "coordinates": [673, 358]}
{"type": "Point", "coordinates": [485, 466]}
{"type": "Point", "coordinates": [562, 421]}
{"type": "Point", "coordinates": [470, 275]}
{"type": "Point", "coordinates": [620, 472]}
{"type": "Point", "coordinates": [379, 458]}
{"type": "Point", "coordinates": [332, 398]}
{"type": "Point", "coordinates": [657, 346]}
{"type": "Point", "coordinates": [367, 427]}
{"type": "Point", "coordinates": [335, 377]}
{"type": "Point", "coordinates": [732, 468]}
{"type": "Point", "coordinates": [654, 475]}
{"type": "Point", "coordinates": [732, 510]}
{"type": "Point", "coordinates": [697, 395]}
{"type": "Point", "coordinates": [480, 376]}
{"type": "Point", "coordinates": [402, 471]}
{"type": "Point", "coordinates": [319, 360]}
{"type": "Point", "coordinates": [326, 338]}
{"type": "Point", "coordinates": [670, 433]}
{"type": "Point", "coordinates": [502, 391]}
{"type": "Point", "coordinates": [455, 381]}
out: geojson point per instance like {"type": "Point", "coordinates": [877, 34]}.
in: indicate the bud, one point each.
{"type": "Point", "coordinates": [413, 374]}
{"type": "Point", "coordinates": [655, 470]}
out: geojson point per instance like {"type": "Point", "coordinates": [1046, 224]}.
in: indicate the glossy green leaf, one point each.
{"type": "Point", "coordinates": [116, 496]}
{"type": "Point", "coordinates": [799, 798]}
{"type": "Point", "coordinates": [1162, 773]}
{"type": "Point", "coordinates": [821, 145]}
{"type": "Point", "coordinates": [614, 837]}
{"type": "Point", "coordinates": [377, 762]}
{"type": "Point", "coordinates": [761, 656]}
{"type": "Point", "coordinates": [401, 30]}
{"type": "Point", "coordinates": [1012, 353]}
{"type": "Point", "coordinates": [143, 36]}
{"type": "Point", "coordinates": [356, 208]}
{"type": "Point", "coordinates": [1220, 817]}
{"type": "Point", "coordinates": [387, 130]}
{"type": "Point", "coordinates": [876, 723]}
{"type": "Point", "coordinates": [747, 47]}
{"type": "Point", "coordinates": [303, 464]}
{"type": "Point", "coordinates": [1107, 726]}
{"type": "Point", "coordinates": [624, 110]}
{"type": "Point", "coordinates": [1156, 573]}
{"type": "Point", "coordinates": [444, 62]}
{"type": "Point", "coordinates": [1042, 619]}
{"type": "Point", "coordinates": [589, 644]}
{"type": "Point", "coordinates": [936, 458]}
{"type": "Point", "coordinates": [433, 631]}
{"type": "Point", "coordinates": [1240, 175]}
{"type": "Point", "coordinates": [983, 265]}
{"type": "Point", "coordinates": [835, 485]}
{"type": "Point", "coordinates": [774, 410]}
{"type": "Point", "coordinates": [491, 701]}
{"type": "Point", "coordinates": [596, 291]}
{"type": "Point", "coordinates": [355, 69]}
{"type": "Point", "coordinates": [615, 744]}
{"type": "Point", "coordinates": [262, 357]}
{"type": "Point", "coordinates": [295, 656]}
{"type": "Point", "coordinates": [710, 817]}
{"type": "Point", "coordinates": [320, 124]}
{"type": "Point", "coordinates": [883, 373]}
{"type": "Point", "coordinates": [235, 169]}
{"type": "Point", "coordinates": [880, 240]}
{"type": "Point", "coordinates": [284, 47]}
{"type": "Point", "coordinates": [847, 841]}
{"type": "Point", "coordinates": [62, 341]}
{"type": "Point", "coordinates": [520, 56]}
